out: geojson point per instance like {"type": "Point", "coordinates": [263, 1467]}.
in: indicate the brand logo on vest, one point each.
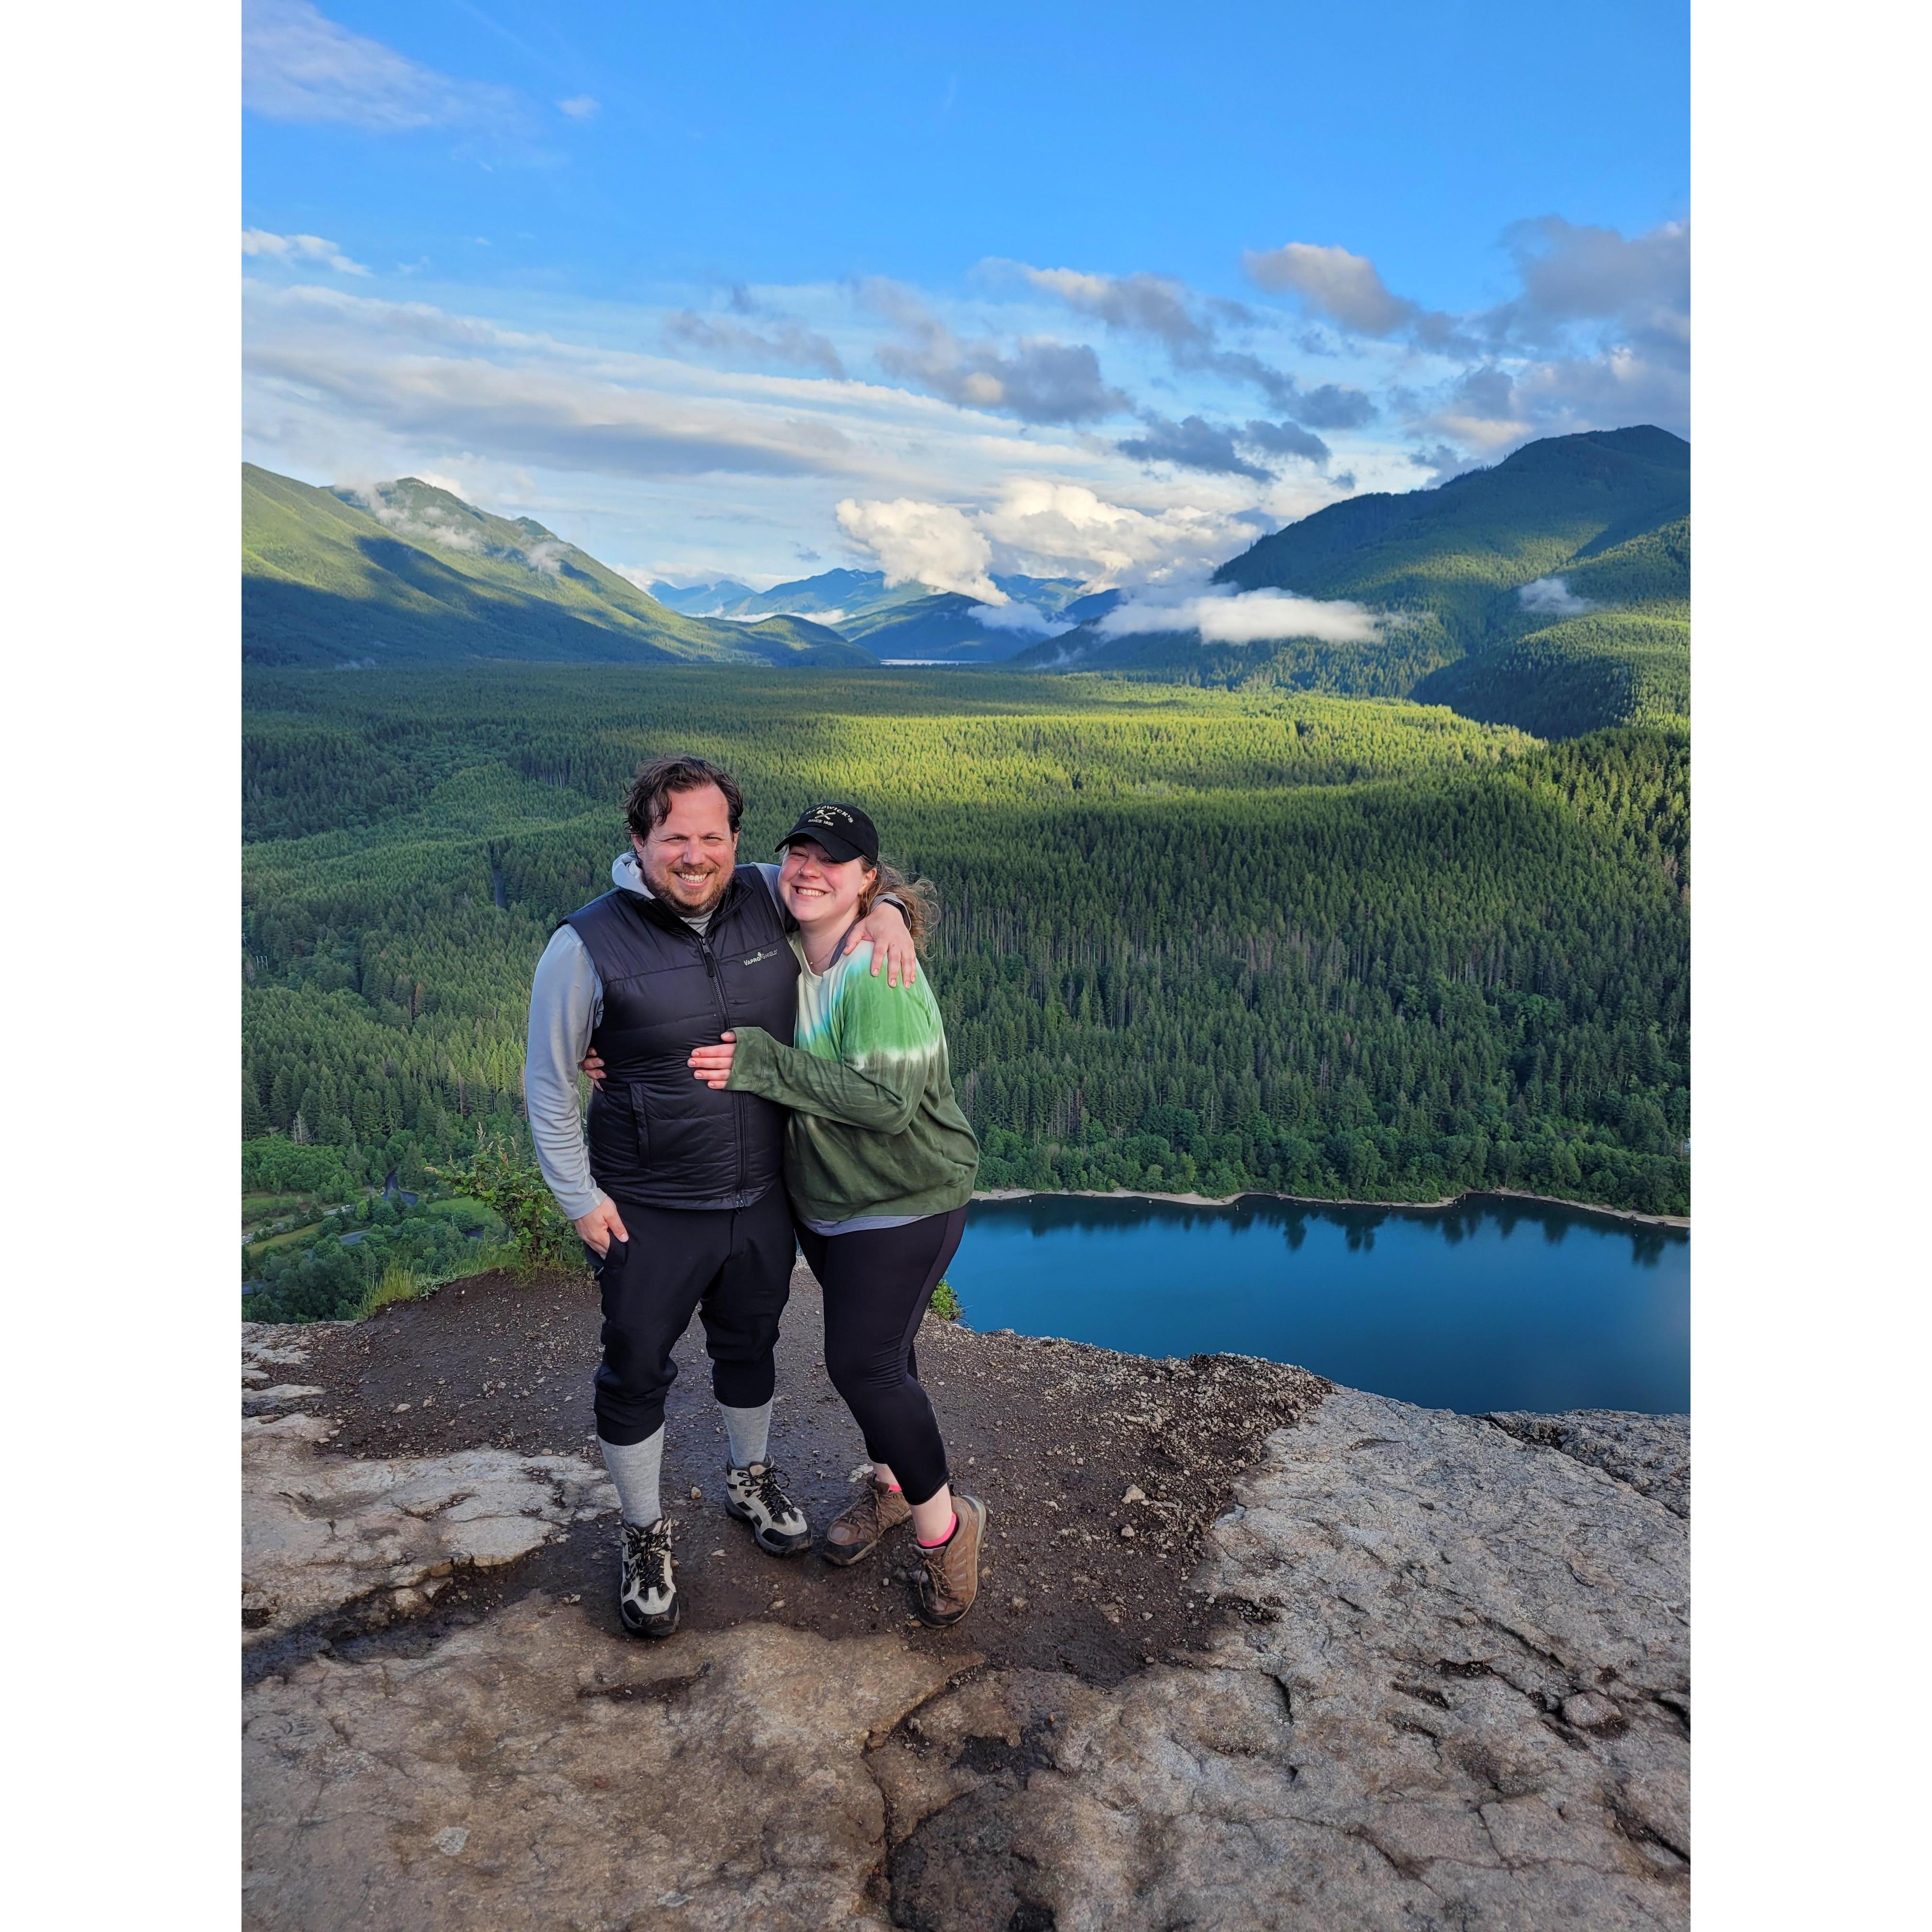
{"type": "Point", "coordinates": [752, 958]}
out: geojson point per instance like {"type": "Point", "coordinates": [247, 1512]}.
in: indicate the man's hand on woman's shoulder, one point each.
{"type": "Point", "coordinates": [893, 948]}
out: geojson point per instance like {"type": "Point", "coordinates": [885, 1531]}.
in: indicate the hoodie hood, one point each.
{"type": "Point", "coordinates": [627, 876]}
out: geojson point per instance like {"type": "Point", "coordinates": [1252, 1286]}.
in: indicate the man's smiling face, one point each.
{"type": "Point", "coordinates": [689, 858]}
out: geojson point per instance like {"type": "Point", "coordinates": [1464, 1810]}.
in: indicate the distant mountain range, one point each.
{"type": "Point", "coordinates": [1552, 593]}
{"type": "Point", "coordinates": [896, 622]}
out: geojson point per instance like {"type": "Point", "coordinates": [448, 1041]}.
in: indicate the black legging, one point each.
{"type": "Point", "coordinates": [876, 1285]}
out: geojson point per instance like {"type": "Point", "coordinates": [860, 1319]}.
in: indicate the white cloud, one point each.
{"type": "Point", "coordinates": [1185, 323]}
{"type": "Point", "coordinates": [433, 525]}
{"type": "Point", "coordinates": [296, 248]}
{"type": "Point", "coordinates": [1552, 597]}
{"type": "Point", "coordinates": [1598, 336]}
{"type": "Point", "coordinates": [581, 106]}
{"type": "Point", "coordinates": [923, 543]}
{"type": "Point", "coordinates": [1016, 617]}
{"type": "Point", "coordinates": [1245, 617]}
{"type": "Point", "coordinates": [297, 64]}
{"type": "Point", "coordinates": [787, 342]}
{"type": "Point", "coordinates": [553, 418]}
{"type": "Point", "coordinates": [1195, 444]}
{"type": "Point", "coordinates": [1153, 304]}
{"type": "Point", "coordinates": [455, 386]}
{"type": "Point", "coordinates": [1044, 528]}
{"type": "Point", "coordinates": [1041, 380]}
{"type": "Point", "coordinates": [1575, 272]}
{"type": "Point", "coordinates": [1346, 288]}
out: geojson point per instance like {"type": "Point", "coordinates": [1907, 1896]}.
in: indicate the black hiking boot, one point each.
{"type": "Point", "coordinates": [647, 1601]}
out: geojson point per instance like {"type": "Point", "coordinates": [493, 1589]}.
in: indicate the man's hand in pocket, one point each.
{"type": "Point", "coordinates": [602, 1226]}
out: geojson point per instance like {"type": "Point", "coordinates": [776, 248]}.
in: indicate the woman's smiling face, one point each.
{"type": "Point", "coordinates": [818, 889]}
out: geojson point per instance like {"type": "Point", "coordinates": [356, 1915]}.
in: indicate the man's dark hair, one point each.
{"type": "Point", "coordinates": [652, 789]}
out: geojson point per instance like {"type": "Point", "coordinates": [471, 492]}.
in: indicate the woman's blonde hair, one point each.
{"type": "Point", "coordinates": [920, 897]}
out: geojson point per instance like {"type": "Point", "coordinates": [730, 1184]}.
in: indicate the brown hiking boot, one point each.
{"type": "Point", "coordinates": [948, 1578]}
{"type": "Point", "coordinates": [855, 1531]}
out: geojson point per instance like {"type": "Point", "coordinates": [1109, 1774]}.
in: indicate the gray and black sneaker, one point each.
{"type": "Point", "coordinates": [757, 1496]}
{"type": "Point", "coordinates": [647, 1592]}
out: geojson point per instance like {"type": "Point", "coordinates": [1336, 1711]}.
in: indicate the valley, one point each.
{"type": "Point", "coordinates": [1192, 939]}
{"type": "Point", "coordinates": [1552, 593]}
{"type": "Point", "coordinates": [1379, 920]}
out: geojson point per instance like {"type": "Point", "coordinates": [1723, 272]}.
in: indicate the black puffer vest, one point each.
{"type": "Point", "coordinates": [658, 1135]}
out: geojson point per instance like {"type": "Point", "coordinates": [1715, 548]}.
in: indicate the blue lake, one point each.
{"type": "Point", "coordinates": [1491, 1304]}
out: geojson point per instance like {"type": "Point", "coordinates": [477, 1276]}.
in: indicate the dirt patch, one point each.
{"type": "Point", "coordinates": [1054, 1436]}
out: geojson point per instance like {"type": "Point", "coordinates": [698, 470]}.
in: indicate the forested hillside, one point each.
{"type": "Point", "coordinates": [1448, 550]}
{"type": "Point", "coordinates": [407, 573]}
{"type": "Point", "coordinates": [1192, 939]}
{"type": "Point", "coordinates": [1551, 592]}
{"type": "Point", "coordinates": [1618, 646]}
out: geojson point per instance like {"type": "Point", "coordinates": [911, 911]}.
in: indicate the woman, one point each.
{"type": "Point", "coordinates": [879, 1163]}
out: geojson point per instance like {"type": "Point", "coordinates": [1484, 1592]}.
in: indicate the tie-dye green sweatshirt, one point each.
{"type": "Point", "coordinates": [874, 1128]}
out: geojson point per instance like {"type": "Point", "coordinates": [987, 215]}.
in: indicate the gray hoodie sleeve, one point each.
{"type": "Point", "coordinates": [566, 1002]}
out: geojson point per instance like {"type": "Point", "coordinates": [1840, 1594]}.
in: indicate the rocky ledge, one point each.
{"type": "Point", "coordinates": [1413, 1670]}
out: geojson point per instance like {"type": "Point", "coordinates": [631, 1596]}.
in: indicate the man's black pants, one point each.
{"type": "Point", "coordinates": [731, 1265]}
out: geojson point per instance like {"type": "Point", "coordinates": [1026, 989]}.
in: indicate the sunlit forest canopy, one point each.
{"type": "Point", "coordinates": [1193, 939]}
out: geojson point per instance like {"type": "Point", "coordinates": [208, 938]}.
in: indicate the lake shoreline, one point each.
{"type": "Point", "coordinates": [1326, 1200]}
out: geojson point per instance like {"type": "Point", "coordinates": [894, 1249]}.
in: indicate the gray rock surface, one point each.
{"type": "Point", "coordinates": [1650, 1453]}
{"type": "Point", "coordinates": [1456, 1694]}
{"type": "Point", "coordinates": [1451, 1691]}
{"type": "Point", "coordinates": [529, 1774]}
{"type": "Point", "coordinates": [319, 1531]}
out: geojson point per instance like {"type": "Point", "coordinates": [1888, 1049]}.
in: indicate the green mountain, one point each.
{"type": "Point", "coordinates": [942, 626]}
{"type": "Point", "coordinates": [1446, 551]}
{"type": "Point", "coordinates": [1552, 593]}
{"type": "Point", "coordinates": [408, 573]}
{"type": "Point", "coordinates": [1618, 650]}
{"type": "Point", "coordinates": [938, 628]}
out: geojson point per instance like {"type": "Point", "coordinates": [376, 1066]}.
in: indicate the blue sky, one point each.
{"type": "Point", "coordinates": [1066, 289]}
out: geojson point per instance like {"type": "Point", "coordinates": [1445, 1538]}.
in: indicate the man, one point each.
{"type": "Point", "coordinates": [677, 1194]}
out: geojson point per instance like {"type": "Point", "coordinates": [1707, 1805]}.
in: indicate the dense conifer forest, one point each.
{"type": "Point", "coordinates": [1193, 939]}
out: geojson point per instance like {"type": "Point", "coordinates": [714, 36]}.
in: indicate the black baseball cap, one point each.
{"type": "Point", "coordinates": [844, 830]}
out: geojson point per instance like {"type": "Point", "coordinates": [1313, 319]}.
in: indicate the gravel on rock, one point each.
{"type": "Point", "coordinates": [1051, 1435]}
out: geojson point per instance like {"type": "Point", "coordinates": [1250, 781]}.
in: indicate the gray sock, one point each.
{"type": "Point", "coordinates": [750, 1430]}
{"type": "Point", "coordinates": [634, 1467]}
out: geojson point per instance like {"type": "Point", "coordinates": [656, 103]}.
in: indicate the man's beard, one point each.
{"type": "Point", "coordinates": [677, 893]}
